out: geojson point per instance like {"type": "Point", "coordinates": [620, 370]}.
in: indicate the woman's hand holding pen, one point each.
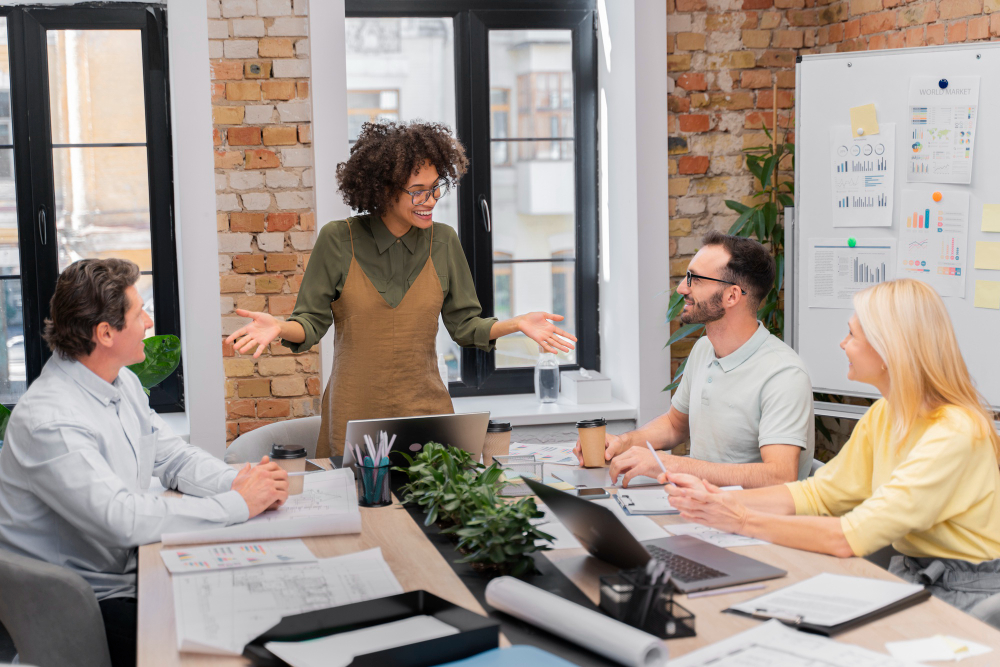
{"type": "Point", "coordinates": [258, 334]}
{"type": "Point", "coordinates": [704, 503]}
{"type": "Point", "coordinates": [539, 328]}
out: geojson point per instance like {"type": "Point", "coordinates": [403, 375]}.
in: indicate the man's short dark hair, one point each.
{"type": "Point", "coordinates": [88, 292]}
{"type": "Point", "coordinates": [750, 264]}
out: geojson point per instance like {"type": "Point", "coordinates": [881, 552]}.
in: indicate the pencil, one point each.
{"type": "Point", "coordinates": [724, 591]}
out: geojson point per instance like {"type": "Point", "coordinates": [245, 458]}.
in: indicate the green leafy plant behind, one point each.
{"type": "Point", "coordinates": [761, 221]}
{"type": "Point", "coordinates": [500, 538]}
{"type": "Point", "coordinates": [4, 418]}
{"type": "Point", "coordinates": [163, 355]}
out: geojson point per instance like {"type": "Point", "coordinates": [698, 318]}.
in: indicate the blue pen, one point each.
{"type": "Point", "coordinates": [369, 475]}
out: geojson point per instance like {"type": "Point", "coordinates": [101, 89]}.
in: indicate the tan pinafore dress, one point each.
{"type": "Point", "coordinates": [384, 358]}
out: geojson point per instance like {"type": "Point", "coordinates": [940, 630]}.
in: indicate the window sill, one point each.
{"type": "Point", "coordinates": [525, 410]}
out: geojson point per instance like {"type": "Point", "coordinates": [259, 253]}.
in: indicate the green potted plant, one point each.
{"type": "Point", "coordinates": [499, 538]}
{"type": "Point", "coordinates": [441, 478]}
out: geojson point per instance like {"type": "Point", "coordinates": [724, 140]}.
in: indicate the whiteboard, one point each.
{"type": "Point", "coordinates": [827, 86]}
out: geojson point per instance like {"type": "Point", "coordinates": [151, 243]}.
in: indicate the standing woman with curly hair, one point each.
{"type": "Point", "coordinates": [382, 278]}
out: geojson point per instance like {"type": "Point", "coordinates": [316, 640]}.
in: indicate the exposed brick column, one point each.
{"type": "Point", "coordinates": [262, 114]}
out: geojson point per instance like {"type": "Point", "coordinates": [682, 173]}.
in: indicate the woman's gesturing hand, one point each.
{"type": "Point", "coordinates": [258, 334]}
{"type": "Point", "coordinates": [704, 503]}
{"type": "Point", "coordinates": [539, 328]}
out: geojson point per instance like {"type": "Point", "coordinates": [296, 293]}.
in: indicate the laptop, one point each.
{"type": "Point", "coordinates": [465, 431]}
{"type": "Point", "coordinates": [695, 565]}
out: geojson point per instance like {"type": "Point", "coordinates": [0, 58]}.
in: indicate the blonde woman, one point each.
{"type": "Point", "coordinates": [920, 471]}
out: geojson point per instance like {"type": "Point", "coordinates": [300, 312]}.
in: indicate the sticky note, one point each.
{"type": "Point", "coordinates": [991, 217]}
{"type": "Point", "coordinates": [866, 118]}
{"type": "Point", "coordinates": [987, 294]}
{"type": "Point", "coordinates": [987, 255]}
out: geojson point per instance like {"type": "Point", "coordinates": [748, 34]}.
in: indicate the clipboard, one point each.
{"type": "Point", "coordinates": [831, 630]}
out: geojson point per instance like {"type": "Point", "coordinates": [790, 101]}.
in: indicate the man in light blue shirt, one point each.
{"type": "Point", "coordinates": [83, 444]}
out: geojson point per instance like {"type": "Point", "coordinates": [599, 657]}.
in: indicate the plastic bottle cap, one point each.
{"type": "Point", "coordinates": [852, 242]}
{"type": "Point", "coordinates": [936, 196]}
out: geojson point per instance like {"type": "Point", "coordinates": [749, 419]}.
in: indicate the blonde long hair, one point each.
{"type": "Point", "coordinates": [907, 324]}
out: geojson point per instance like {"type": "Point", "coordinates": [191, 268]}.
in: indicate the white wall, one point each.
{"type": "Point", "coordinates": [633, 291]}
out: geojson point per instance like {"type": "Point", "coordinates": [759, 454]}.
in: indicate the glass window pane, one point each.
{"type": "Point", "coordinates": [96, 90]}
{"type": "Point", "coordinates": [549, 286]}
{"type": "Point", "coordinates": [102, 204]}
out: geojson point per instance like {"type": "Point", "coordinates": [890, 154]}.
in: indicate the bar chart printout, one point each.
{"type": "Point", "coordinates": [862, 171]}
{"type": "Point", "coordinates": [838, 271]}
{"type": "Point", "coordinates": [933, 238]}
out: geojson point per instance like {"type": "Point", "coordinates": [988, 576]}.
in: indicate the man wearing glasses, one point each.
{"type": "Point", "coordinates": [383, 278]}
{"type": "Point", "coordinates": [745, 401]}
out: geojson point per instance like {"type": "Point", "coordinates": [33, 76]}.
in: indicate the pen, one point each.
{"type": "Point", "coordinates": [723, 591]}
{"type": "Point", "coordinates": [658, 461]}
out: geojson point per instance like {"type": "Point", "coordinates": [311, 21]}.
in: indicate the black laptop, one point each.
{"type": "Point", "coordinates": [695, 565]}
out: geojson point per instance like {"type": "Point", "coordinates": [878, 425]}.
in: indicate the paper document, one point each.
{"type": "Point", "coordinates": [936, 649]}
{"type": "Point", "coordinates": [596, 477]}
{"type": "Point", "coordinates": [838, 270]}
{"type": "Point", "coordinates": [713, 536]}
{"type": "Point", "coordinates": [862, 171]}
{"type": "Point", "coordinates": [638, 502]}
{"type": "Point", "coordinates": [340, 649]}
{"type": "Point", "coordinates": [226, 556]}
{"type": "Point", "coordinates": [829, 599]}
{"type": "Point", "coordinates": [328, 505]}
{"type": "Point", "coordinates": [561, 453]}
{"type": "Point", "coordinates": [934, 239]}
{"type": "Point", "coordinates": [942, 129]}
{"type": "Point", "coordinates": [775, 645]}
{"type": "Point", "coordinates": [219, 612]}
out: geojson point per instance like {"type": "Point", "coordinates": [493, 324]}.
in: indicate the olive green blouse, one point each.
{"type": "Point", "coordinates": [392, 265]}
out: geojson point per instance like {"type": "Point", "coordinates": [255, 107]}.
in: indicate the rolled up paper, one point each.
{"type": "Point", "coordinates": [592, 630]}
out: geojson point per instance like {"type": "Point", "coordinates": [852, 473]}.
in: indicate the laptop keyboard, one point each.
{"type": "Point", "coordinates": [681, 568]}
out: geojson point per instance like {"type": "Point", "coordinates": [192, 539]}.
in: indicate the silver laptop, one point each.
{"type": "Point", "coordinates": [465, 431]}
{"type": "Point", "coordinates": [695, 565]}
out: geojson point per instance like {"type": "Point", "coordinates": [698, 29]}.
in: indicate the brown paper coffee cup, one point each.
{"type": "Point", "coordinates": [591, 433]}
{"type": "Point", "coordinates": [497, 441]}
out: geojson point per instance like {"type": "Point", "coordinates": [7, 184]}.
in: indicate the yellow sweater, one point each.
{"type": "Point", "coordinates": [936, 496]}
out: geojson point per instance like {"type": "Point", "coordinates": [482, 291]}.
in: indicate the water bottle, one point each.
{"type": "Point", "coordinates": [547, 378]}
{"type": "Point", "coordinates": [443, 370]}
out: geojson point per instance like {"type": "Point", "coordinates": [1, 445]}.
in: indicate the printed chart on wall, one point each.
{"type": "Point", "coordinates": [841, 267]}
{"type": "Point", "coordinates": [862, 173]}
{"type": "Point", "coordinates": [933, 239]}
{"type": "Point", "coordinates": [942, 129]}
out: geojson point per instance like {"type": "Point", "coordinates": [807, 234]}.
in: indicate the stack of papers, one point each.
{"type": "Point", "coordinates": [221, 611]}
{"type": "Point", "coordinates": [328, 505]}
{"type": "Point", "coordinates": [559, 452]}
{"type": "Point", "coordinates": [936, 649]}
{"type": "Point", "coordinates": [228, 556]}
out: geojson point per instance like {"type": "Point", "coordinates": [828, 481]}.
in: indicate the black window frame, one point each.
{"type": "Point", "coordinates": [472, 20]}
{"type": "Point", "coordinates": [34, 172]}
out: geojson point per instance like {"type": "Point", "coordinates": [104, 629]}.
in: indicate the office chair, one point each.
{"type": "Point", "coordinates": [988, 611]}
{"type": "Point", "coordinates": [249, 447]}
{"type": "Point", "coordinates": [51, 614]}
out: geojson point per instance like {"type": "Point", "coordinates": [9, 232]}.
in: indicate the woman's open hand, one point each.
{"type": "Point", "coordinates": [704, 503]}
{"type": "Point", "coordinates": [258, 334]}
{"type": "Point", "coordinates": [539, 328]}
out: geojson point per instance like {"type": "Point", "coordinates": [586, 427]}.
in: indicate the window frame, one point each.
{"type": "Point", "coordinates": [34, 171]}
{"type": "Point", "coordinates": [472, 20]}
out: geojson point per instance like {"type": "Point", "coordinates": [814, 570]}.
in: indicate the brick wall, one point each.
{"type": "Point", "coordinates": [261, 112]}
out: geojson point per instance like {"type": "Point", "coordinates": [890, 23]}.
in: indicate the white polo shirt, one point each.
{"type": "Point", "coordinates": [758, 395]}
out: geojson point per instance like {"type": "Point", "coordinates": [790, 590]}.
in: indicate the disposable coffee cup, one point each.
{"type": "Point", "coordinates": [292, 458]}
{"type": "Point", "coordinates": [497, 441]}
{"type": "Point", "coordinates": [591, 432]}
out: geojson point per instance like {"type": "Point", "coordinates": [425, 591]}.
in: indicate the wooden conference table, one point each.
{"type": "Point", "coordinates": [418, 565]}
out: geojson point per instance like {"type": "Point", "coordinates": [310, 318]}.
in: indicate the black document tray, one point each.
{"type": "Point", "coordinates": [476, 633]}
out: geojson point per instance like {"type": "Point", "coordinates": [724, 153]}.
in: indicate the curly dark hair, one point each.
{"type": "Point", "coordinates": [88, 292]}
{"type": "Point", "coordinates": [385, 156]}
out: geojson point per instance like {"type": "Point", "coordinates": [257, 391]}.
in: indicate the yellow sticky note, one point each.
{"type": "Point", "coordinates": [991, 217]}
{"type": "Point", "coordinates": [866, 118]}
{"type": "Point", "coordinates": [988, 255]}
{"type": "Point", "coordinates": [987, 294]}
{"type": "Point", "coordinates": [565, 486]}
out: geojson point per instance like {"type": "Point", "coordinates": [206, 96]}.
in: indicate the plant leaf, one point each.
{"type": "Point", "coordinates": [684, 332]}
{"type": "Point", "coordinates": [163, 355]}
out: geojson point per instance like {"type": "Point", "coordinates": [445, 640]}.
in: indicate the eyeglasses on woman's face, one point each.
{"type": "Point", "coordinates": [691, 276]}
{"type": "Point", "coordinates": [419, 197]}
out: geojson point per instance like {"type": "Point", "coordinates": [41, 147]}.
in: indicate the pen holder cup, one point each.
{"type": "Point", "coordinates": [517, 468]}
{"type": "Point", "coordinates": [627, 598]}
{"type": "Point", "coordinates": [373, 485]}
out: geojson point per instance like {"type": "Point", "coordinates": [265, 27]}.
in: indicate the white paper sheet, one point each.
{"type": "Point", "coordinates": [775, 645]}
{"type": "Point", "coordinates": [838, 271]}
{"type": "Point", "coordinates": [829, 599]}
{"type": "Point", "coordinates": [936, 649]}
{"type": "Point", "coordinates": [339, 650]}
{"type": "Point", "coordinates": [559, 453]}
{"type": "Point", "coordinates": [713, 536]}
{"type": "Point", "coordinates": [220, 612]}
{"type": "Point", "coordinates": [328, 505]}
{"type": "Point", "coordinates": [646, 501]}
{"type": "Point", "coordinates": [862, 170]}
{"type": "Point", "coordinates": [942, 129]}
{"type": "Point", "coordinates": [934, 238]}
{"type": "Point", "coordinates": [612, 639]}
{"type": "Point", "coordinates": [228, 556]}
{"type": "Point", "coordinates": [596, 477]}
